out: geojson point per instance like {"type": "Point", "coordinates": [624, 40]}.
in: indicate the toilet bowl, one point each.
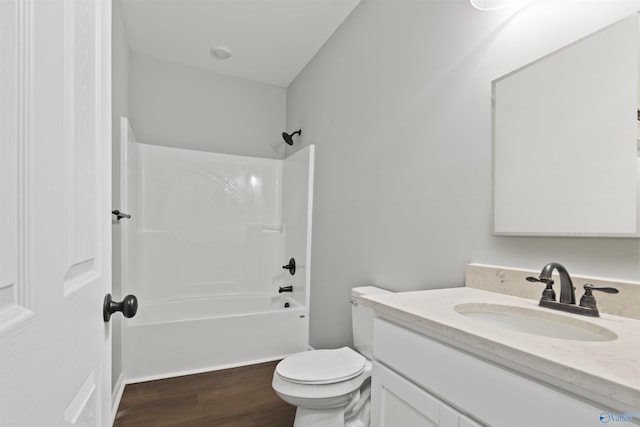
{"type": "Point", "coordinates": [332, 388]}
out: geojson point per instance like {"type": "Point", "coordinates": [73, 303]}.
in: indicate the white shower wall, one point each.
{"type": "Point", "coordinates": [207, 224]}
{"type": "Point", "coordinates": [297, 204]}
{"type": "Point", "coordinates": [203, 252]}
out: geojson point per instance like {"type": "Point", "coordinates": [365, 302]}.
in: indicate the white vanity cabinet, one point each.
{"type": "Point", "coordinates": [419, 381]}
{"type": "Point", "coordinates": [398, 402]}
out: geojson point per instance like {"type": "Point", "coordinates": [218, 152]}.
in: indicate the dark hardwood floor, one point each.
{"type": "Point", "coordinates": [237, 397]}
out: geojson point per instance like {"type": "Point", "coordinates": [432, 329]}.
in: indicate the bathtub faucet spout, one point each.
{"type": "Point", "coordinates": [285, 289]}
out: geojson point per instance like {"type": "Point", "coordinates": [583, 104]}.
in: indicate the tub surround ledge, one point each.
{"type": "Point", "coordinates": [607, 372]}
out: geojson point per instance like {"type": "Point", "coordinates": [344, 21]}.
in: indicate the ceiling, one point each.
{"type": "Point", "coordinates": [270, 40]}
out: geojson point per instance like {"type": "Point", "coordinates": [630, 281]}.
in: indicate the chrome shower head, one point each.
{"type": "Point", "coordinates": [288, 136]}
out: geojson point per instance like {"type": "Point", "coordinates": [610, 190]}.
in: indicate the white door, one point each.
{"type": "Point", "coordinates": [55, 265]}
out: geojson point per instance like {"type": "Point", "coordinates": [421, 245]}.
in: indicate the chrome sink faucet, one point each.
{"type": "Point", "coordinates": [567, 292]}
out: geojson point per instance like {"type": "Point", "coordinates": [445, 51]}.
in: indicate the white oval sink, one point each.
{"type": "Point", "coordinates": [535, 322]}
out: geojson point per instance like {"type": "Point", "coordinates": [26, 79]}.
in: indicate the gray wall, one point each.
{"type": "Point", "coordinates": [186, 107]}
{"type": "Point", "coordinates": [398, 103]}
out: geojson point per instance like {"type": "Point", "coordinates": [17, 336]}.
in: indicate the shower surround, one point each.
{"type": "Point", "coordinates": [204, 251]}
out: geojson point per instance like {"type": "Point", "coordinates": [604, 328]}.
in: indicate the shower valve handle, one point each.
{"type": "Point", "coordinates": [128, 306]}
{"type": "Point", "coordinates": [291, 266]}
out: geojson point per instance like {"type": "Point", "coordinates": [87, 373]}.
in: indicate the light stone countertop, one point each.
{"type": "Point", "coordinates": [606, 371]}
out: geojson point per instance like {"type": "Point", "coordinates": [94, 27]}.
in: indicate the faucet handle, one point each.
{"type": "Point", "coordinates": [548, 294]}
{"type": "Point", "coordinates": [589, 287]}
{"type": "Point", "coordinates": [588, 300]}
{"type": "Point", "coordinates": [548, 282]}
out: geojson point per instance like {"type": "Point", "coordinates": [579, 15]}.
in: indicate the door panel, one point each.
{"type": "Point", "coordinates": [55, 212]}
{"type": "Point", "coordinates": [81, 144]}
{"type": "Point", "coordinates": [13, 293]}
{"type": "Point", "coordinates": [80, 129]}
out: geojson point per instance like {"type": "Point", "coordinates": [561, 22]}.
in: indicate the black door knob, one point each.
{"type": "Point", "coordinates": [128, 306]}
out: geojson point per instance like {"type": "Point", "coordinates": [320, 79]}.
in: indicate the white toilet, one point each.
{"type": "Point", "coordinates": [332, 388]}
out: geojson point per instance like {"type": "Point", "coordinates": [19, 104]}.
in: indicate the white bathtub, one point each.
{"type": "Point", "coordinates": [172, 338]}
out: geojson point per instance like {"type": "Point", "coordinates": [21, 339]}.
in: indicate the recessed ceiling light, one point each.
{"type": "Point", "coordinates": [221, 52]}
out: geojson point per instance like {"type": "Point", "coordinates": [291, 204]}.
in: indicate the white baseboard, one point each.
{"type": "Point", "coordinates": [201, 370]}
{"type": "Point", "coordinates": [116, 396]}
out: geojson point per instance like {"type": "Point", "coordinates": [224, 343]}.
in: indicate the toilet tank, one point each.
{"type": "Point", "coordinates": [362, 320]}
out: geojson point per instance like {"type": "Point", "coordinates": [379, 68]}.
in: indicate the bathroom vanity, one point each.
{"type": "Point", "coordinates": [466, 357]}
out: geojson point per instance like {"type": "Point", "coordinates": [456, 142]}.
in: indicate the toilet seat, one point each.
{"type": "Point", "coordinates": [320, 393]}
{"type": "Point", "coordinates": [322, 366]}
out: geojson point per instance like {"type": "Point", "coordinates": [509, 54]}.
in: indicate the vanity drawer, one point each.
{"type": "Point", "coordinates": [491, 394]}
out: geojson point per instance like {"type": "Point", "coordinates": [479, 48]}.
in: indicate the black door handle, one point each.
{"type": "Point", "coordinates": [119, 215]}
{"type": "Point", "coordinates": [128, 306]}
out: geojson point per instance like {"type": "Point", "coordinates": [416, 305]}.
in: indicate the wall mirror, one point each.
{"type": "Point", "coordinates": [565, 130]}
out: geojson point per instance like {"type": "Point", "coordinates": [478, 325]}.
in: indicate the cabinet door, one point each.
{"type": "Point", "coordinates": [467, 422]}
{"type": "Point", "coordinates": [398, 402]}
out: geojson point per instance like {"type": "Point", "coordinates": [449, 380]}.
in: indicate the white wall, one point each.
{"type": "Point", "coordinates": [185, 107]}
{"type": "Point", "coordinates": [398, 104]}
{"type": "Point", "coordinates": [119, 107]}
